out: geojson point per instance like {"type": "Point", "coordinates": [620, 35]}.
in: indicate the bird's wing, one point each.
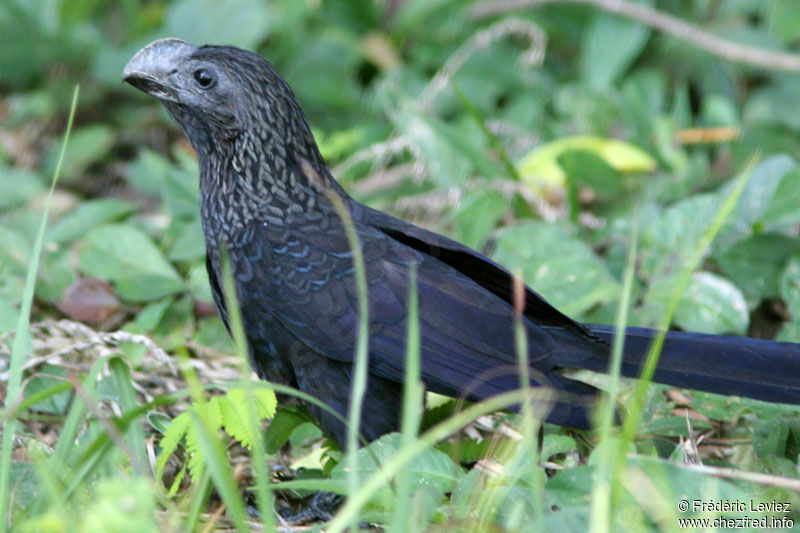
{"type": "Point", "coordinates": [470, 263]}
{"type": "Point", "coordinates": [467, 336]}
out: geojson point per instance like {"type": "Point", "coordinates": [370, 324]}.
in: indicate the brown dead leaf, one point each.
{"type": "Point", "coordinates": [89, 300]}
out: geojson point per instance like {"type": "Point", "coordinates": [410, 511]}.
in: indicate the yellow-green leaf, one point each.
{"type": "Point", "coordinates": [540, 168]}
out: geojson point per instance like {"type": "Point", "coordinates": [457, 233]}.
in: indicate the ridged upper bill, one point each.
{"type": "Point", "coordinates": [150, 69]}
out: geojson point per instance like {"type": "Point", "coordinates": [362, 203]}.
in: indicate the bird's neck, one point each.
{"type": "Point", "coordinates": [251, 181]}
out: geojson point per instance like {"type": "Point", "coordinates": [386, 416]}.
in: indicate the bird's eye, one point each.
{"type": "Point", "coordinates": [203, 78]}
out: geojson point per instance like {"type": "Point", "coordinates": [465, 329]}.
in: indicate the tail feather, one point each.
{"type": "Point", "coordinates": [730, 365]}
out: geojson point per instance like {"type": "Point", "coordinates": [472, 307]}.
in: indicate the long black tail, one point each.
{"type": "Point", "coordinates": [738, 366]}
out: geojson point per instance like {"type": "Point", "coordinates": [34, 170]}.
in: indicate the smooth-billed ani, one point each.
{"type": "Point", "coordinates": [294, 271]}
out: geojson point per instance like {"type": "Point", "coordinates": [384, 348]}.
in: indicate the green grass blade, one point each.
{"type": "Point", "coordinates": [127, 400]}
{"type": "Point", "coordinates": [390, 468]}
{"type": "Point", "coordinates": [359, 384]}
{"type": "Point", "coordinates": [412, 404]}
{"type": "Point", "coordinates": [259, 455]}
{"type": "Point", "coordinates": [636, 404]}
{"type": "Point", "coordinates": [220, 472]}
{"type": "Point", "coordinates": [602, 511]}
{"type": "Point", "coordinates": [727, 207]}
{"type": "Point", "coordinates": [22, 337]}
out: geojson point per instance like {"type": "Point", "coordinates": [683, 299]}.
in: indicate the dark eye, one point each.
{"type": "Point", "coordinates": [203, 78]}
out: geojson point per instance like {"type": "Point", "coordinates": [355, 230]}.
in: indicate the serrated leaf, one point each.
{"type": "Point", "coordinates": [235, 407]}
{"type": "Point", "coordinates": [125, 256]}
{"type": "Point", "coordinates": [210, 412]}
{"type": "Point", "coordinates": [169, 442]}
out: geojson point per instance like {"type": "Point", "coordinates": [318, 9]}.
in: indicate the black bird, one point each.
{"type": "Point", "coordinates": [262, 196]}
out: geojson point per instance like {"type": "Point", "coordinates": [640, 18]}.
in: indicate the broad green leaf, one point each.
{"type": "Point", "coordinates": [448, 165]}
{"type": "Point", "coordinates": [712, 304]}
{"type": "Point", "coordinates": [769, 105]}
{"type": "Point", "coordinates": [670, 426]}
{"type": "Point", "coordinates": [57, 272]}
{"type": "Point", "coordinates": [584, 168]}
{"type": "Point", "coordinates": [151, 315]}
{"type": "Point", "coordinates": [669, 236]}
{"type": "Point", "coordinates": [477, 216]}
{"type": "Point", "coordinates": [180, 190]}
{"type": "Point", "coordinates": [609, 47]}
{"type": "Point", "coordinates": [789, 332]}
{"type": "Point", "coordinates": [14, 250]}
{"type": "Point", "coordinates": [242, 23]}
{"type": "Point", "coordinates": [56, 404]}
{"type": "Point", "coordinates": [729, 408]}
{"type": "Point", "coordinates": [87, 216]}
{"type": "Point", "coordinates": [784, 207]}
{"type": "Point", "coordinates": [321, 73]}
{"type": "Point", "coordinates": [755, 200]}
{"type": "Point", "coordinates": [770, 437]}
{"type": "Point", "coordinates": [148, 171]}
{"type": "Point", "coordinates": [281, 427]}
{"type": "Point", "coordinates": [190, 243]}
{"type": "Point", "coordinates": [451, 153]}
{"type": "Point", "coordinates": [8, 316]}
{"type": "Point", "coordinates": [789, 285]}
{"type": "Point", "coordinates": [126, 257]}
{"type": "Point", "coordinates": [431, 468]}
{"type": "Point", "coordinates": [541, 166]}
{"type": "Point", "coordinates": [17, 186]}
{"type": "Point", "coordinates": [557, 444]}
{"type": "Point", "coordinates": [337, 144]}
{"type": "Point", "coordinates": [755, 264]}
{"type": "Point", "coordinates": [784, 19]}
{"type": "Point", "coordinates": [199, 286]}
{"type": "Point", "coordinates": [87, 145]}
{"type": "Point", "coordinates": [211, 332]}
{"type": "Point", "coordinates": [560, 267]}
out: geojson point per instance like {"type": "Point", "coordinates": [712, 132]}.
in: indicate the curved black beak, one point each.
{"type": "Point", "coordinates": [151, 69]}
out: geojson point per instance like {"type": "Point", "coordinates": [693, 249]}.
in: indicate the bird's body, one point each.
{"type": "Point", "coordinates": [264, 189]}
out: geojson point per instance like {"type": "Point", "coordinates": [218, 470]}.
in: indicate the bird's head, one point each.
{"type": "Point", "coordinates": [218, 93]}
